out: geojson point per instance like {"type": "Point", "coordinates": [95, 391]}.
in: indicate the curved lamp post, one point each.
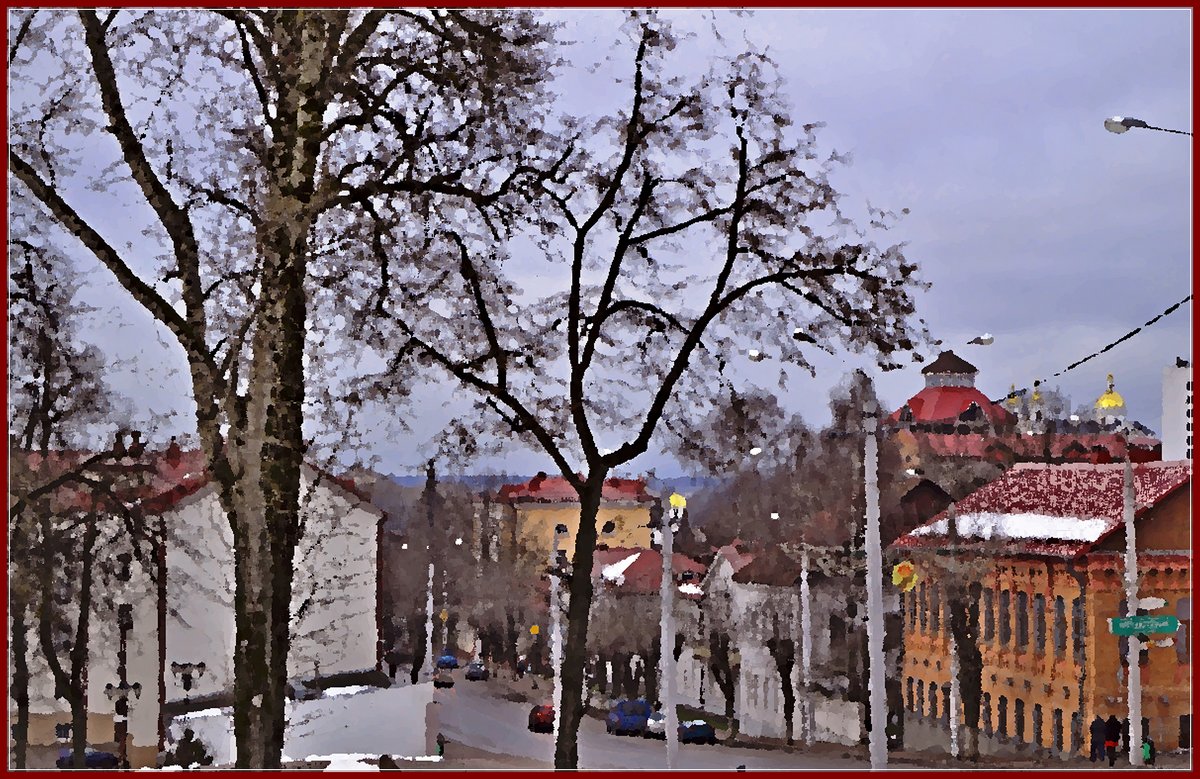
{"type": "Point", "coordinates": [1122, 124]}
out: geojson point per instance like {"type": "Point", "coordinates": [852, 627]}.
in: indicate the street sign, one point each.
{"type": "Point", "coordinates": [1153, 623]}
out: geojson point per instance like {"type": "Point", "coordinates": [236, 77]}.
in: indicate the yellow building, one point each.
{"type": "Point", "coordinates": [525, 516]}
{"type": "Point", "coordinates": [1046, 545]}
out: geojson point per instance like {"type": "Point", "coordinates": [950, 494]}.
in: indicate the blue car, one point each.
{"type": "Point", "coordinates": [697, 731]}
{"type": "Point", "coordinates": [447, 661]}
{"type": "Point", "coordinates": [91, 759]}
{"type": "Point", "coordinates": [628, 717]}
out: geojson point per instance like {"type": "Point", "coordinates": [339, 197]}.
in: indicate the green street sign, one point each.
{"type": "Point", "coordinates": [1152, 623]}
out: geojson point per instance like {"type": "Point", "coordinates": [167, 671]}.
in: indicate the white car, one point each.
{"type": "Point", "coordinates": [656, 725]}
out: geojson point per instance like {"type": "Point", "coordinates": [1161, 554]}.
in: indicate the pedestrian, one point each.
{"type": "Point", "coordinates": [392, 657]}
{"type": "Point", "coordinates": [521, 667]}
{"type": "Point", "coordinates": [1097, 732]}
{"type": "Point", "coordinates": [1112, 737]}
{"type": "Point", "coordinates": [441, 745]}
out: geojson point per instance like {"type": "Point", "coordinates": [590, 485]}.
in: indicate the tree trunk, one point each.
{"type": "Point", "coordinates": [964, 621]}
{"type": "Point", "coordinates": [602, 673]}
{"type": "Point", "coordinates": [566, 750]}
{"type": "Point", "coordinates": [512, 636]}
{"type": "Point", "coordinates": [20, 660]}
{"type": "Point", "coordinates": [784, 653]}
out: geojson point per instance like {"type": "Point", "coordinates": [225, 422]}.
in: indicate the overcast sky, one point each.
{"type": "Point", "coordinates": [1030, 220]}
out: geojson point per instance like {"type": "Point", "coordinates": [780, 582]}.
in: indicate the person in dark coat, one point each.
{"type": "Point", "coordinates": [1097, 732]}
{"type": "Point", "coordinates": [1112, 737]}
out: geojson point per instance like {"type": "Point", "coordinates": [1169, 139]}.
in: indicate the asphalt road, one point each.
{"type": "Point", "coordinates": [468, 714]}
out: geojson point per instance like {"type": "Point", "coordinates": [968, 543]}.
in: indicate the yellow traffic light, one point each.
{"type": "Point", "coordinates": [533, 629]}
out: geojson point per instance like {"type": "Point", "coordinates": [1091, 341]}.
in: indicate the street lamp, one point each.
{"type": "Point", "coordinates": [878, 702]}
{"type": "Point", "coordinates": [119, 694]}
{"type": "Point", "coordinates": [187, 673]}
{"type": "Point", "coordinates": [1122, 124]}
{"type": "Point", "coordinates": [666, 640]}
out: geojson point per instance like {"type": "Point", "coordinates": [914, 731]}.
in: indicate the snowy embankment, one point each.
{"type": "Point", "coordinates": [344, 726]}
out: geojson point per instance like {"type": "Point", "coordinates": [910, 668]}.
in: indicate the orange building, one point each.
{"type": "Point", "coordinates": [1046, 545]}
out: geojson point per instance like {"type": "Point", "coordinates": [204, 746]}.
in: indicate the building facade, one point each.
{"type": "Point", "coordinates": [1046, 545]}
{"type": "Point", "coordinates": [1177, 411]}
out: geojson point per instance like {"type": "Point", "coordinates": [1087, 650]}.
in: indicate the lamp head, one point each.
{"type": "Point", "coordinates": [677, 501]}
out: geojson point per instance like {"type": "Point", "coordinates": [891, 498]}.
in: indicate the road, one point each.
{"type": "Point", "coordinates": [468, 714]}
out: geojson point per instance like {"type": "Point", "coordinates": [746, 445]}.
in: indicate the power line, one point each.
{"type": "Point", "coordinates": [1170, 310]}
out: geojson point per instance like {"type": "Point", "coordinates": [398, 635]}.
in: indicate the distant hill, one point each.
{"type": "Point", "coordinates": [682, 484]}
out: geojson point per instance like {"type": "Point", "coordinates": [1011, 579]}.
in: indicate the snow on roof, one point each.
{"type": "Point", "coordinates": [1058, 510]}
{"type": "Point", "coordinates": [555, 489]}
{"type": "Point", "coordinates": [991, 525]}
{"type": "Point", "coordinates": [616, 571]}
{"type": "Point", "coordinates": [691, 589]}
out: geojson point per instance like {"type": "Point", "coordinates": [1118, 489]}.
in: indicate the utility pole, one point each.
{"type": "Point", "coordinates": [806, 647]}
{"type": "Point", "coordinates": [877, 699]}
{"type": "Point", "coordinates": [1134, 692]}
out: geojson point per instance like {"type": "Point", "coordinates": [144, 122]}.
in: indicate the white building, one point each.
{"type": "Point", "coordinates": [334, 629]}
{"type": "Point", "coordinates": [1177, 411]}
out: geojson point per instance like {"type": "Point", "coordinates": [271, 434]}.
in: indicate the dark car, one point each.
{"type": "Point", "coordinates": [477, 672]}
{"type": "Point", "coordinates": [697, 731]}
{"type": "Point", "coordinates": [443, 680]}
{"type": "Point", "coordinates": [628, 717]}
{"type": "Point", "coordinates": [447, 661]}
{"type": "Point", "coordinates": [91, 759]}
{"type": "Point", "coordinates": [541, 719]}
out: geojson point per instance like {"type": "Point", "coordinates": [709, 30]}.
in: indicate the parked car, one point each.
{"type": "Point", "coordinates": [298, 690]}
{"type": "Point", "coordinates": [541, 719]}
{"type": "Point", "coordinates": [628, 717]}
{"type": "Point", "coordinates": [92, 758]}
{"type": "Point", "coordinates": [447, 661]}
{"type": "Point", "coordinates": [443, 679]}
{"type": "Point", "coordinates": [697, 731]}
{"type": "Point", "coordinates": [477, 672]}
{"type": "Point", "coordinates": [656, 726]}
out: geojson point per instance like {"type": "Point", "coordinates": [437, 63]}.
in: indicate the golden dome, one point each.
{"type": "Point", "coordinates": [1111, 399]}
{"type": "Point", "coordinates": [1013, 401]}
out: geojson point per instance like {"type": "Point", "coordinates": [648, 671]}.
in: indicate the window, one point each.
{"type": "Point", "coordinates": [924, 607]}
{"type": "Point", "coordinates": [1056, 730]}
{"type": "Point", "coordinates": [1002, 717]}
{"type": "Point", "coordinates": [1019, 720]}
{"type": "Point", "coordinates": [1039, 624]}
{"type": "Point", "coordinates": [1022, 620]}
{"type": "Point", "coordinates": [1079, 648]}
{"type": "Point", "coordinates": [908, 690]}
{"type": "Point", "coordinates": [989, 616]}
{"type": "Point", "coordinates": [935, 610]}
{"type": "Point", "coordinates": [837, 632]}
{"type": "Point", "coordinates": [933, 700]}
{"type": "Point", "coordinates": [1037, 725]}
{"type": "Point", "coordinates": [1005, 623]}
{"type": "Point", "coordinates": [1076, 732]}
{"type": "Point", "coordinates": [912, 610]}
{"type": "Point", "coordinates": [1185, 731]}
{"type": "Point", "coordinates": [1060, 627]}
{"type": "Point", "coordinates": [946, 704]}
{"type": "Point", "coordinates": [985, 711]}
{"type": "Point", "coordinates": [921, 697]}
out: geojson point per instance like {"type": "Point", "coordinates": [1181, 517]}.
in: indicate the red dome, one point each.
{"type": "Point", "coordinates": [945, 404]}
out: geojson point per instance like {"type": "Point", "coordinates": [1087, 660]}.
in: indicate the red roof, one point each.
{"type": "Point", "coordinates": [643, 576]}
{"type": "Point", "coordinates": [942, 404]}
{"type": "Point", "coordinates": [556, 489]}
{"type": "Point", "coordinates": [1083, 491]}
{"type": "Point", "coordinates": [1077, 447]}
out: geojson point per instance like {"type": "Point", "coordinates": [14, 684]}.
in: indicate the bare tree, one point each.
{"type": "Point", "coordinates": [252, 138]}
{"type": "Point", "coordinates": [630, 338]}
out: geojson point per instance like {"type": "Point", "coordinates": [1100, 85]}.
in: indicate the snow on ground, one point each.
{"type": "Point", "coordinates": [367, 721]}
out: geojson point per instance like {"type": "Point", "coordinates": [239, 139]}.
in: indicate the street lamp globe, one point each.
{"type": "Point", "coordinates": [1116, 124]}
